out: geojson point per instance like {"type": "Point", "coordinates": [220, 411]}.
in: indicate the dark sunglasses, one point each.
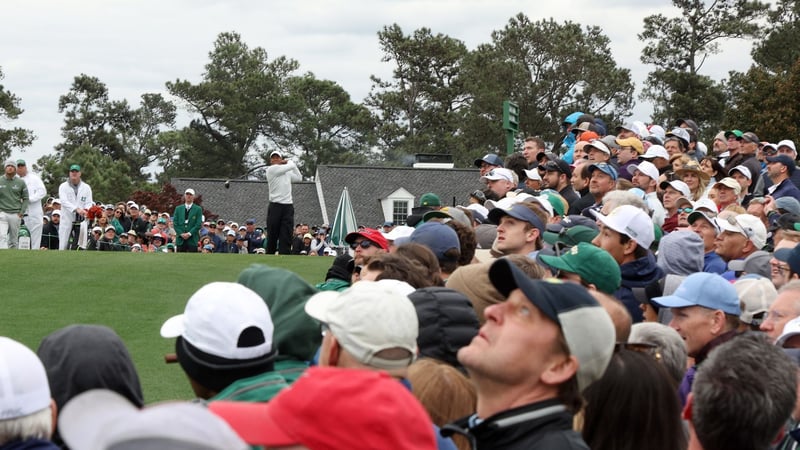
{"type": "Point", "coordinates": [685, 210]}
{"type": "Point", "coordinates": [641, 347]}
{"type": "Point", "coordinates": [363, 244]}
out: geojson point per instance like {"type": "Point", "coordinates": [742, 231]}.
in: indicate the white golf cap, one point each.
{"type": "Point", "coordinates": [632, 222]}
{"type": "Point", "coordinates": [24, 388]}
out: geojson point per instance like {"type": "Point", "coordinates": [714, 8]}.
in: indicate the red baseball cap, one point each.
{"type": "Point", "coordinates": [333, 408]}
{"type": "Point", "coordinates": [369, 234]}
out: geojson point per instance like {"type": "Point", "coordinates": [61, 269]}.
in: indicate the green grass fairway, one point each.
{"type": "Point", "coordinates": [132, 293]}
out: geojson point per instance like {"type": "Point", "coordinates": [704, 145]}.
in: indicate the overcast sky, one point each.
{"type": "Point", "coordinates": [134, 47]}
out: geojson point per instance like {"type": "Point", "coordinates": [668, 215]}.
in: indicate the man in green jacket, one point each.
{"type": "Point", "coordinates": [13, 204]}
{"type": "Point", "coordinates": [188, 219]}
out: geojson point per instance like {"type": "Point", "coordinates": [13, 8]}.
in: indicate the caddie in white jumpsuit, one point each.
{"type": "Point", "coordinates": [36, 192]}
{"type": "Point", "coordinates": [76, 199]}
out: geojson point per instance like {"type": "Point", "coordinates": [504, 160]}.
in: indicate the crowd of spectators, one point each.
{"type": "Point", "coordinates": [635, 289]}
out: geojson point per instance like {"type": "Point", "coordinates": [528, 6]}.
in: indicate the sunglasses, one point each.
{"type": "Point", "coordinates": [748, 232]}
{"type": "Point", "coordinates": [362, 244]}
{"type": "Point", "coordinates": [685, 210]}
{"type": "Point", "coordinates": [641, 347]}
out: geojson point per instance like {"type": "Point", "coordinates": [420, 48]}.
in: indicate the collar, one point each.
{"type": "Point", "coordinates": [721, 339]}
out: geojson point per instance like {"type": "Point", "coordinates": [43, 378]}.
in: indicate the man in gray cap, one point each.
{"type": "Point", "coordinates": [13, 204]}
{"type": "Point", "coordinates": [531, 360]}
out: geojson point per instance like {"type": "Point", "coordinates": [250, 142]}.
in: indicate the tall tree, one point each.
{"type": "Point", "coordinates": [113, 127]}
{"type": "Point", "coordinates": [778, 51]}
{"type": "Point", "coordinates": [109, 178]}
{"type": "Point", "coordinates": [419, 110]}
{"type": "Point", "coordinates": [549, 69]}
{"type": "Point", "coordinates": [326, 127]}
{"type": "Point", "coordinates": [239, 106]}
{"type": "Point", "coordinates": [11, 138]}
{"type": "Point", "coordinates": [679, 46]}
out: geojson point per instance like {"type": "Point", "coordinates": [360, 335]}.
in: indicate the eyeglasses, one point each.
{"type": "Point", "coordinates": [363, 244]}
{"type": "Point", "coordinates": [758, 319]}
{"type": "Point", "coordinates": [748, 232]}
{"type": "Point", "coordinates": [685, 210]}
{"type": "Point", "coordinates": [770, 151]}
{"type": "Point", "coordinates": [641, 347]}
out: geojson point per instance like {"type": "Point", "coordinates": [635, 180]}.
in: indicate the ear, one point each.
{"type": "Point", "coordinates": [532, 235]}
{"type": "Point", "coordinates": [686, 414]}
{"type": "Point", "coordinates": [54, 416]}
{"type": "Point", "coordinates": [629, 247]}
{"type": "Point", "coordinates": [717, 322]}
{"type": "Point", "coordinates": [333, 352]}
{"type": "Point", "coordinates": [560, 371]}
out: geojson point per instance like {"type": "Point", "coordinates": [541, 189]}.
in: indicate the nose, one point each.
{"type": "Point", "coordinates": [494, 313]}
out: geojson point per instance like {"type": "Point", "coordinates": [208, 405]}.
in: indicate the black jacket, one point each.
{"type": "Point", "coordinates": [447, 322]}
{"type": "Point", "coordinates": [545, 425]}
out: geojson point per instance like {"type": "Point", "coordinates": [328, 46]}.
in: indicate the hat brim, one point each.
{"type": "Point", "coordinates": [83, 418]}
{"type": "Point", "coordinates": [672, 301]}
{"type": "Point", "coordinates": [173, 327]}
{"type": "Point", "coordinates": [506, 277]}
{"type": "Point", "coordinates": [318, 305]}
{"type": "Point", "coordinates": [253, 423]}
{"type": "Point", "coordinates": [557, 262]}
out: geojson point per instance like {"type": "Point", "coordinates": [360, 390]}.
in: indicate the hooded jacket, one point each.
{"type": "Point", "coordinates": [79, 358]}
{"type": "Point", "coordinates": [637, 274]}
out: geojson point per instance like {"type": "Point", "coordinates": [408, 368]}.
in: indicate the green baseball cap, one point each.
{"type": "Point", "coordinates": [20, 162]}
{"type": "Point", "coordinates": [74, 167]}
{"type": "Point", "coordinates": [593, 264]}
{"type": "Point", "coordinates": [556, 201]}
{"type": "Point", "coordinates": [570, 236]}
{"type": "Point", "coordinates": [430, 199]}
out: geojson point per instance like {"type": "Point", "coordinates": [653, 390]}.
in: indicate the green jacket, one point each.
{"type": "Point", "coordinates": [190, 224]}
{"type": "Point", "coordinates": [333, 284]}
{"type": "Point", "coordinates": [13, 195]}
{"type": "Point", "coordinates": [260, 388]}
{"type": "Point", "coordinates": [297, 336]}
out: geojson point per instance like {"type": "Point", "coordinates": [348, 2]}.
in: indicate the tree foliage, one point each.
{"type": "Point", "coordinates": [419, 110]}
{"type": "Point", "coordinates": [326, 127]}
{"type": "Point", "coordinates": [11, 138]}
{"type": "Point", "coordinates": [779, 50]}
{"type": "Point", "coordinates": [679, 46]}
{"type": "Point", "coordinates": [549, 69]}
{"type": "Point", "coordinates": [240, 104]}
{"type": "Point", "coordinates": [112, 127]}
{"type": "Point", "coordinates": [109, 178]}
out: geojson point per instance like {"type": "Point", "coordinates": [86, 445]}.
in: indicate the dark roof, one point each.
{"type": "Point", "coordinates": [243, 199]}
{"type": "Point", "coordinates": [368, 185]}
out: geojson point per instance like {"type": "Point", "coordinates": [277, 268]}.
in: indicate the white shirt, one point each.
{"type": "Point", "coordinates": [659, 213]}
{"type": "Point", "coordinates": [36, 192]}
{"type": "Point", "coordinates": [280, 178]}
{"type": "Point", "coordinates": [70, 201]}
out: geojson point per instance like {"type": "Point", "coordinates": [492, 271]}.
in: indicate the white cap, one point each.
{"type": "Point", "coordinates": [23, 381]}
{"type": "Point", "coordinates": [100, 419]}
{"type": "Point", "coordinates": [133, 205]}
{"type": "Point", "coordinates": [679, 186]}
{"type": "Point", "coordinates": [632, 222]}
{"type": "Point", "coordinates": [477, 207]}
{"type": "Point", "coordinates": [215, 317]}
{"type": "Point", "coordinates": [230, 232]}
{"type": "Point", "coordinates": [680, 133]}
{"type": "Point", "coordinates": [646, 167]}
{"type": "Point", "coordinates": [97, 229]}
{"type": "Point", "coordinates": [792, 328]}
{"type": "Point", "coordinates": [787, 143]}
{"type": "Point", "coordinates": [707, 204]}
{"type": "Point", "coordinates": [498, 173]}
{"type": "Point", "coordinates": [56, 211]}
{"type": "Point", "coordinates": [189, 191]}
{"type": "Point", "coordinates": [370, 317]}
{"type": "Point", "coordinates": [598, 144]}
{"type": "Point", "coordinates": [746, 224]}
{"type": "Point", "coordinates": [743, 170]}
{"type": "Point", "coordinates": [399, 232]}
{"type": "Point", "coordinates": [533, 174]}
{"type": "Point", "coordinates": [656, 151]}
{"type": "Point", "coordinates": [658, 131]}
{"type": "Point", "coordinates": [730, 183]}
{"type": "Point", "coordinates": [757, 295]}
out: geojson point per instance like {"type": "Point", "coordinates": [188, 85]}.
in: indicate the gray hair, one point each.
{"type": "Point", "coordinates": [615, 199]}
{"type": "Point", "coordinates": [743, 394]}
{"type": "Point", "coordinates": [38, 425]}
{"type": "Point", "coordinates": [793, 285]}
{"type": "Point", "coordinates": [670, 346]}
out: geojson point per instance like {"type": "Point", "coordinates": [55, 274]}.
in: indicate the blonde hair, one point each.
{"type": "Point", "coordinates": [38, 425]}
{"type": "Point", "coordinates": [446, 393]}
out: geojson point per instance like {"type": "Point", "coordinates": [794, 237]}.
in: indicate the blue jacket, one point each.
{"type": "Point", "coordinates": [713, 263]}
{"type": "Point", "coordinates": [786, 189]}
{"type": "Point", "coordinates": [637, 274]}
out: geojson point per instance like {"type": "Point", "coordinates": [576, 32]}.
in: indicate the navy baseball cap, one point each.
{"type": "Point", "coordinates": [518, 211]}
{"type": "Point", "coordinates": [786, 160]}
{"type": "Point", "coordinates": [489, 158]}
{"type": "Point", "coordinates": [572, 308]}
{"type": "Point", "coordinates": [790, 256]}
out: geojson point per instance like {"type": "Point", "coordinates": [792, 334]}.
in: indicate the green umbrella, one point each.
{"type": "Point", "coordinates": [344, 222]}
